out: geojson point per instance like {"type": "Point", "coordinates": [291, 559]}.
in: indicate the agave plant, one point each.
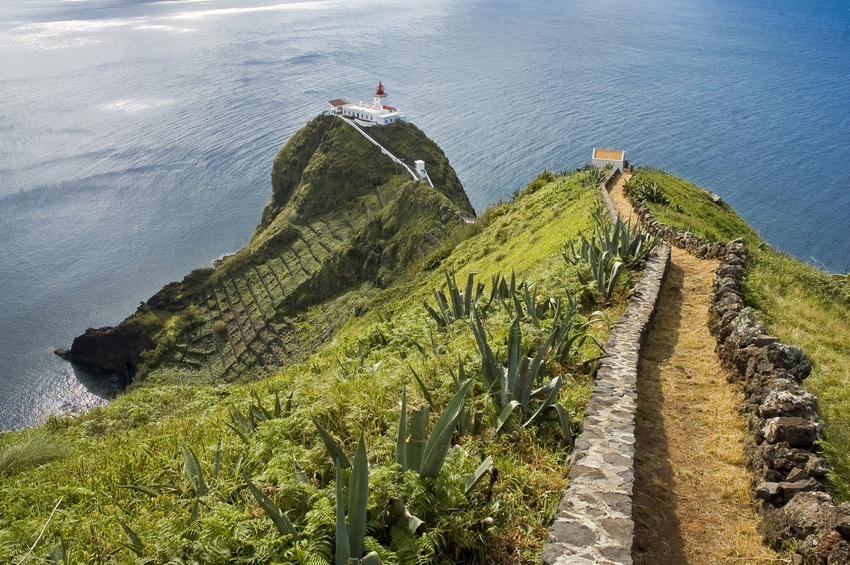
{"type": "Point", "coordinates": [569, 336]}
{"type": "Point", "coordinates": [596, 174]}
{"type": "Point", "coordinates": [422, 452]}
{"type": "Point", "coordinates": [612, 248]}
{"type": "Point", "coordinates": [426, 453]}
{"type": "Point", "coordinates": [516, 298]}
{"type": "Point", "coordinates": [351, 533]}
{"type": "Point", "coordinates": [458, 305]}
{"type": "Point", "coordinates": [645, 191]}
{"type": "Point", "coordinates": [351, 525]}
{"type": "Point", "coordinates": [635, 244]}
{"type": "Point", "coordinates": [193, 469]}
{"type": "Point", "coordinates": [135, 542]}
{"type": "Point", "coordinates": [515, 386]}
{"type": "Point", "coordinates": [280, 520]}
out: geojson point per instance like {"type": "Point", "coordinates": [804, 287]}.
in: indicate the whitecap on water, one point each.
{"type": "Point", "coordinates": [59, 34]}
{"type": "Point", "coordinates": [163, 28]}
{"type": "Point", "coordinates": [309, 5]}
{"type": "Point", "coordinates": [133, 105]}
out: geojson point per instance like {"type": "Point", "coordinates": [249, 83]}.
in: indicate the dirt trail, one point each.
{"type": "Point", "coordinates": [692, 503]}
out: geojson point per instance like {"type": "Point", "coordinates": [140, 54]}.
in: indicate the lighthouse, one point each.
{"type": "Point", "coordinates": [378, 113]}
{"type": "Point", "coordinates": [380, 99]}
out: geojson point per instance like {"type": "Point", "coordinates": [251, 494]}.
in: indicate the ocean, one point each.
{"type": "Point", "coordinates": [136, 137]}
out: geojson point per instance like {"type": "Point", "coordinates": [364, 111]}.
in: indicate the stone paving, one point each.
{"type": "Point", "coordinates": [594, 521]}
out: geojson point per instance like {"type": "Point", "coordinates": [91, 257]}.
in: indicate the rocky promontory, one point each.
{"type": "Point", "coordinates": [343, 221]}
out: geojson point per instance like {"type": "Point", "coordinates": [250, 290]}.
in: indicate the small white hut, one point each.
{"type": "Point", "coordinates": [604, 157]}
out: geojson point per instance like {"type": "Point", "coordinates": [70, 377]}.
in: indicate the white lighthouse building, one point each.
{"type": "Point", "coordinates": [378, 113]}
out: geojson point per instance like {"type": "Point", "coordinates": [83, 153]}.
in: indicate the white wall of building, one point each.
{"type": "Point", "coordinates": [602, 163]}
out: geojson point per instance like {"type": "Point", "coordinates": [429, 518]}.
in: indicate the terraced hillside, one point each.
{"type": "Point", "coordinates": [261, 332]}
{"type": "Point", "coordinates": [343, 221]}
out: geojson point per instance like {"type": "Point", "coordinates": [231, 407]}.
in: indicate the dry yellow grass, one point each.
{"type": "Point", "coordinates": [692, 503]}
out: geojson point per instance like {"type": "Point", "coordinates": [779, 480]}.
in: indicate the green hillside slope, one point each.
{"type": "Point", "coordinates": [343, 221]}
{"type": "Point", "coordinates": [162, 473]}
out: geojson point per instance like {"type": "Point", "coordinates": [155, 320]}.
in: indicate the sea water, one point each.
{"type": "Point", "coordinates": [136, 137]}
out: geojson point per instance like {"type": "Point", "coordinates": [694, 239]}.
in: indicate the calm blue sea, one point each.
{"type": "Point", "coordinates": [136, 137]}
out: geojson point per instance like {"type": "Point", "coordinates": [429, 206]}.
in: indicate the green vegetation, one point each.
{"type": "Point", "coordinates": [343, 222]}
{"type": "Point", "coordinates": [388, 432]}
{"type": "Point", "coordinates": [329, 394]}
{"type": "Point", "coordinates": [31, 449]}
{"type": "Point", "coordinates": [612, 247]}
{"type": "Point", "coordinates": [800, 304]}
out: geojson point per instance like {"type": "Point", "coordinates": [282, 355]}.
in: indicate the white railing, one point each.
{"type": "Point", "coordinates": [387, 153]}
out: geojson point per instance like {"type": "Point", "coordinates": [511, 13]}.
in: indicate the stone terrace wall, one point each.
{"type": "Point", "coordinates": [693, 244]}
{"type": "Point", "coordinates": [781, 415]}
{"type": "Point", "coordinates": [783, 422]}
{"type": "Point", "coordinates": [606, 197]}
{"type": "Point", "coordinates": [594, 521]}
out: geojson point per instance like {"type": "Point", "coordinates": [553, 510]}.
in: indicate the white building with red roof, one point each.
{"type": "Point", "coordinates": [378, 113]}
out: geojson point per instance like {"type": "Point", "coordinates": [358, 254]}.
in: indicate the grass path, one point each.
{"type": "Point", "coordinates": [692, 503]}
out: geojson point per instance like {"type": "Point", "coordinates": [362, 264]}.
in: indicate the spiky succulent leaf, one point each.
{"type": "Point", "coordinates": [418, 437]}
{"type": "Point", "coordinates": [300, 475]}
{"type": "Point", "coordinates": [135, 545]}
{"type": "Point", "coordinates": [515, 357]}
{"type": "Point", "coordinates": [423, 388]}
{"type": "Point", "coordinates": [506, 413]}
{"type": "Point", "coordinates": [441, 436]}
{"type": "Point", "coordinates": [333, 446]}
{"type": "Point", "coordinates": [401, 439]}
{"type": "Point", "coordinates": [476, 475]}
{"type": "Point", "coordinates": [193, 469]}
{"type": "Point", "coordinates": [554, 386]}
{"type": "Point", "coordinates": [491, 368]}
{"type": "Point", "coordinates": [238, 432]}
{"type": "Point", "coordinates": [566, 424]}
{"type": "Point", "coordinates": [217, 466]}
{"type": "Point", "coordinates": [358, 497]}
{"type": "Point", "coordinates": [147, 490]}
{"type": "Point", "coordinates": [467, 295]}
{"type": "Point", "coordinates": [281, 522]}
{"type": "Point", "coordinates": [343, 548]}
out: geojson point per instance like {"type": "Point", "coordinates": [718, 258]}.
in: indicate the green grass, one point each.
{"type": "Point", "coordinates": [352, 384]}
{"type": "Point", "coordinates": [25, 451]}
{"type": "Point", "coordinates": [343, 220]}
{"type": "Point", "coordinates": [799, 303]}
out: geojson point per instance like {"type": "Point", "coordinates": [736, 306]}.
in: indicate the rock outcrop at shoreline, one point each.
{"type": "Point", "coordinates": [113, 348]}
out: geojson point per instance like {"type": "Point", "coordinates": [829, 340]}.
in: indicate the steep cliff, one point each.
{"type": "Point", "coordinates": [342, 222]}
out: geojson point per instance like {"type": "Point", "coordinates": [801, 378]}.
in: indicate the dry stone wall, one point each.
{"type": "Point", "coordinates": [693, 244]}
{"type": "Point", "coordinates": [781, 415]}
{"type": "Point", "coordinates": [594, 522]}
{"type": "Point", "coordinates": [783, 422]}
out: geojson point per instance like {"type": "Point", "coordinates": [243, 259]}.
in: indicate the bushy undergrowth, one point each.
{"type": "Point", "coordinates": [243, 473]}
{"type": "Point", "coordinates": [799, 303]}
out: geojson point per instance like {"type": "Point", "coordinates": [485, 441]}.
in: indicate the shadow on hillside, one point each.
{"type": "Point", "coordinates": [658, 533]}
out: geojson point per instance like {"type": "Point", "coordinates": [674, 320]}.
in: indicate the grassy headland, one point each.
{"type": "Point", "coordinates": [165, 472]}
{"type": "Point", "coordinates": [343, 222]}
